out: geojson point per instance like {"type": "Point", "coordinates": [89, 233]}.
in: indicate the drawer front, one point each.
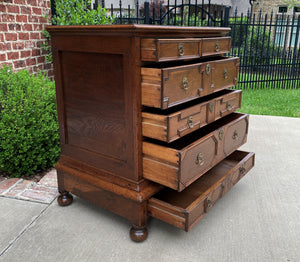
{"type": "Point", "coordinates": [167, 87]}
{"type": "Point", "coordinates": [215, 46]}
{"type": "Point", "coordinates": [184, 209]}
{"type": "Point", "coordinates": [182, 165]}
{"type": "Point", "coordinates": [160, 50]}
{"type": "Point", "coordinates": [225, 74]}
{"type": "Point", "coordinates": [169, 127]}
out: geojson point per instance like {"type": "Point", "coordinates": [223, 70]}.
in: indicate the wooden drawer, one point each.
{"type": "Point", "coordinates": [215, 46]}
{"type": "Point", "coordinates": [161, 50]}
{"type": "Point", "coordinates": [184, 209]}
{"type": "Point", "coordinates": [171, 124]}
{"type": "Point", "coordinates": [171, 85]}
{"type": "Point", "coordinates": [178, 164]}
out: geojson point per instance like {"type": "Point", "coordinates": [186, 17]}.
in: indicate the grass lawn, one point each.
{"type": "Point", "coordinates": [275, 102]}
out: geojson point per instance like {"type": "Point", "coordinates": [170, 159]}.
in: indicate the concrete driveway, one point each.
{"type": "Point", "coordinates": [258, 220]}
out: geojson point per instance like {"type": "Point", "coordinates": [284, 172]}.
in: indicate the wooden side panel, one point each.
{"type": "Point", "coordinates": [97, 105]}
{"type": "Point", "coordinates": [159, 172]}
{"type": "Point", "coordinates": [151, 87]}
{"type": "Point", "coordinates": [169, 214]}
{"type": "Point", "coordinates": [154, 126]}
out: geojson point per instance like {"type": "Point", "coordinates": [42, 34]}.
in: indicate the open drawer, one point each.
{"type": "Point", "coordinates": [170, 84]}
{"type": "Point", "coordinates": [184, 209]}
{"type": "Point", "coordinates": [180, 163]}
{"type": "Point", "coordinates": [171, 124]}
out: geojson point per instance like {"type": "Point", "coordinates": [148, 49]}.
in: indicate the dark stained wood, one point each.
{"type": "Point", "coordinates": [169, 125]}
{"type": "Point", "coordinates": [167, 85]}
{"type": "Point", "coordinates": [65, 199]}
{"type": "Point", "coordinates": [184, 209]}
{"type": "Point", "coordinates": [215, 46]}
{"type": "Point", "coordinates": [105, 77]}
{"type": "Point", "coordinates": [161, 50]}
{"type": "Point", "coordinates": [141, 31]}
{"type": "Point", "coordinates": [138, 234]}
{"type": "Point", "coordinates": [178, 164]}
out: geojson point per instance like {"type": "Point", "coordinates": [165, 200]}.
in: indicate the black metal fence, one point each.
{"type": "Point", "coordinates": [268, 45]}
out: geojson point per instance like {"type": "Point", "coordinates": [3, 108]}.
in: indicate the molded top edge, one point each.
{"type": "Point", "coordinates": [138, 29]}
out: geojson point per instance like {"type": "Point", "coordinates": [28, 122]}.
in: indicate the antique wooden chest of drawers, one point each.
{"type": "Point", "coordinates": [147, 122]}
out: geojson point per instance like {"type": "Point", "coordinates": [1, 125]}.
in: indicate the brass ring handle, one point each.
{"type": "Point", "coordinates": [242, 170]}
{"type": "Point", "coordinates": [185, 83]}
{"type": "Point", "coordinates": [221, 134]}
{"type": "Point", "coordinates": [235, 135]}
{"type": "Point", "coordinates": [208, 202]}
{"type": "Point", "coordinates": [208, 67]}
{"type": "Point", "coordinates": [211, 106]}
{"type": "Point", "coordinates": [228, 106]}
{"type": "Point", "coordinates": [190, 122]}
{"type": "Point", "coordinates": [200, 160]}
{"type": "Point", "coordinates": [225, 73]}
{"type": "Point", "coordinates": [180, 49]}
{"type": "Point", "coordinates": [217, 47]}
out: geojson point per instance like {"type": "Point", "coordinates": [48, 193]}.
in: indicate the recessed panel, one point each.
{"type": "Point", "coordinates": [93, 91]}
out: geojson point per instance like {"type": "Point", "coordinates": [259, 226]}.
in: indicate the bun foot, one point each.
{"type": "Point", "coordinates": [138, 234]}
{"type": "Point", "coordinates": [65, 199]}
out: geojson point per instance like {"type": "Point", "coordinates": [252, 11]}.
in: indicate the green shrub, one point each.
{"type": "Point", "coordinates": [75, 12]}
{"type": "Point", "coordinates": [78, 12]}
{"type": "Point", "coordinates": [29, 138]}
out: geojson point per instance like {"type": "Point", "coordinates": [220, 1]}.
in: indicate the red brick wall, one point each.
{"type": "Point", "coordinates": [21, 22]}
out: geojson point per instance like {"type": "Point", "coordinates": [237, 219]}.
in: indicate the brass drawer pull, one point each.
{"type": "Point", "coordinates": [185, 83]}
{"type": "Point", "coordinates": [228, 106]}
{"type": "Point", "coordinates": [217, 48]}
{"type": "Point", "coordinates": [207, 204]}
{"type": "Point", "coordinates": [225, 73]}
{"type": "Point", "coordinates": [221, 134]}
{"type": "Point", "coordinates": [208, 69]}
{"type": "Point", "coordinates": [190, 122]}
{"type": "Point", "coordinates": [211, 106]}
{"type": "Point", "coordinates": [200, 160]}
{"type": "Point", "coordinates": [235, 135]}
{"type": "Point", "coordinates": [180, 49]}
{"type": "Point", "coordinates": [242, 170]}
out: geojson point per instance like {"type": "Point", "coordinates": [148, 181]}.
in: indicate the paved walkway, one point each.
{"type": "Point", "coordinates": [258, 220]}
{"type": "Point", "coordinates": [45, 191]}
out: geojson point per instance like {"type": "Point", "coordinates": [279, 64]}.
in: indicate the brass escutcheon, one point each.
{"type": "Point", "coordinates": [208, 69]}
{"type": "Point", "coordinates": [228, 106]}
{"type": "Point", "coordinates": [180, 49]}
{"type": "Point", "coordinates": [185, 83]}
{"type": "Point", "coordinates": [200, 160]}
{"type": "Point", "coordinates": [225, 73]}
{"type": "Point", "coordinates": [208, 202]}
{"type": "Point", "coordinates": [211, 106]}
{"type": "Point", "coordinates": [235, 135]}
{"type": "Point", "coordinates": [242, 170]}
{"type": "Point", "coordinates": [217, 46]}
{"type": "Point", "coordinates": [221, 134]}
{"type": "Point", "coordinates": [190, 122]}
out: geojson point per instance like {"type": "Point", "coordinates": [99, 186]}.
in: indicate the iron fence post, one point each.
{"type": "Point", "coordinates": [147, 12]}
{"type": "Point", "coordinates": [226, 16]}
{"type": "Point", "coordinates": [53, 8]}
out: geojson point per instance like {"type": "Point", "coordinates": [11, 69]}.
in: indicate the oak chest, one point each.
{"type": "Point", "coordinates": [147, 122]}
